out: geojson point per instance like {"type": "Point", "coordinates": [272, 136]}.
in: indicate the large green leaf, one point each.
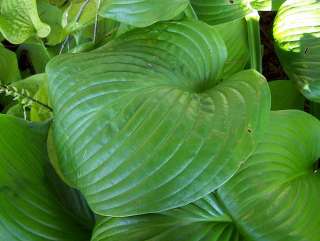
{"type": "Point", "coordinates": [28, 209]}
{"type": "Point", "coordinates": [275, 196]}
{"type": "Point", "coordinates": [297, 32]}
{"type": "Point", "coordinates": [144, 124]}
{"type": "Point", "coordinates": [221, 11]}
{"type": "Point", "coordinates": [141, 13]}
{"type": "Point", "coordinates": [199, 221]}
{"type": "Point", "coordinates": [19, 20]}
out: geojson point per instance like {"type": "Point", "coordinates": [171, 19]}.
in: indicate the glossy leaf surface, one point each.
{"type": "Point", "coordinates": [142, 13]}
{"type": "Point", "coordinates": [203, 220]}
{"type": "Point", "coordinates": [28, 209]}
{"type": "Point", "coordinates": [275, 195]}
{"type": "Point", "coordinates": [146, 117]}
{"type": "Point", "coordinates": [297, 32]}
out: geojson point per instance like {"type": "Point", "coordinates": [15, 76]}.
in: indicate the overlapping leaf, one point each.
{"type": "Point", "coordinates": [266, 5]}
{"type": "Point", "coordinates": [221, 11]}
{"type": "Point", "coordinates": [275, 196]}
{"type": "Point", "coordinates": [285, 95]}
{"type": "Point", "coordinates": [199, 221]}
{"type": "Point", "coordinates": [28, 209]}
{"type": "Point", "coordinates": [143, 124]}
{"type": "Point", "coordinates": [19, 21]}
{"type": "Point", "coordinates": [141, 13]}
{"type": "Point", "coordinates": [296, 31]}
{"type": "Point", "coordinates": [9, 70]}
{"type": "Point", "coordinates": [235, 36]}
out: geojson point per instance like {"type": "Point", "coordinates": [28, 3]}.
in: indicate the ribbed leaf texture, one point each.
{"type": "Point", "coordinates": [297, 32]}
{"type": "Point", "coordinates": [142, 13]}
{"type": "Point", "coordinates": [275, 196]}
{"type": "Point", "coordinates": [144, 124]}
{"type": "Point", "coordinates": [29, 211]}
{"type": "Point", "coordinates": [203, 220]}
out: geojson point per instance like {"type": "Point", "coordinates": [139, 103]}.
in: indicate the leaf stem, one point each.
{"type": "Point", "coordinates": [190, 13]}
{"type": "Point", "coordinates": [254, 40]}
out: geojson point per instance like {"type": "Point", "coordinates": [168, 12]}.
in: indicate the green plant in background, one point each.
{"type": "Point", "coordinates": [151, 121]}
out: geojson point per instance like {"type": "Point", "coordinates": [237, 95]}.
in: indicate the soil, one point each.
{"type": "Point", "coordinates": [272, 69]}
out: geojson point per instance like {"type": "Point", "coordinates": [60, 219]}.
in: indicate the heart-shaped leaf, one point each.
{"type": "Point", "coordinates": [276, 195]}
{"type": "Point", "coordinates": [220, 11]}
{"type": "Point", "coordinates": [28, 209]}
{"type": "Point", "coordinates": [19, 20]}
{"type": "Point", "coordinates": [157, 128]}
{"type": "Point", "coordinates": [141, 13]}
{"type": "Point", "coordinates": [297, 34]}
{"type": "Point", "coordinates": [201, 220]}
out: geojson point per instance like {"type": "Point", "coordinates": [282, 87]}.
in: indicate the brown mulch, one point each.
{"type": "Point", "coordinates": [272, 69]}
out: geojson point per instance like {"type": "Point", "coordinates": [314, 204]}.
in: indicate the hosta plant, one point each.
{"type": "Point", "coordinates": [152, 120]}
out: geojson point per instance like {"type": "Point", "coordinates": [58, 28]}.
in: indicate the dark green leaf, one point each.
{"type": "Point", "coordinates": [285, 95]}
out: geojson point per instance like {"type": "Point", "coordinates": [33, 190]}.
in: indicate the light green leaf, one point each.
{"type": "Point", "coordinates": [19, 21]}
{"type": "Point", "coordinates": [79, 14]}
{"type": "Point", "coordinates": [9, 70]}
{"type": "Point", "coordinates": [37, 86]}
{"type": "Point", "coordinates": [297, 32]}
{"type": "Point", "coordinates": [275, 196]}
{"type": "Point", "coordinates": [266, 5]}
{"type": "Point", "coordinates": [39, 112]}
{"type": "Point", "coordinates": [32, 83]}
{"type": "Point", "coordinates": [199, 221]}
{"type": "Point", "coordinates": [285, 95]}
{"type": "Point", "coordinates": [235, 36]}
{"type": "Point", "coordinates": [142, 13]}
{"type": "Point", "coordinates": [157, 128]}
{"type": "Point", "coordinates": [52, 15]}
{"type": "Point", "coordinates": [29, 210]}
{"type": "Point", "coordinates": [221, 11]}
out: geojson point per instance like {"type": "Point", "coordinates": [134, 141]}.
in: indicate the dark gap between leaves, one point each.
{"type": "Point", "coordinates": [272, 68]}
{"type": "Point", "coordinates": [316, 166]}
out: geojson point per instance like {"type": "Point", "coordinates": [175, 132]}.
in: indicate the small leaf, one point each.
{"type": "Point", "coordinates": [9, 70]}
{"type": "Point", "coordinates": [266, 5]}
{"type": "Point", "coordinates": [19, 21]}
